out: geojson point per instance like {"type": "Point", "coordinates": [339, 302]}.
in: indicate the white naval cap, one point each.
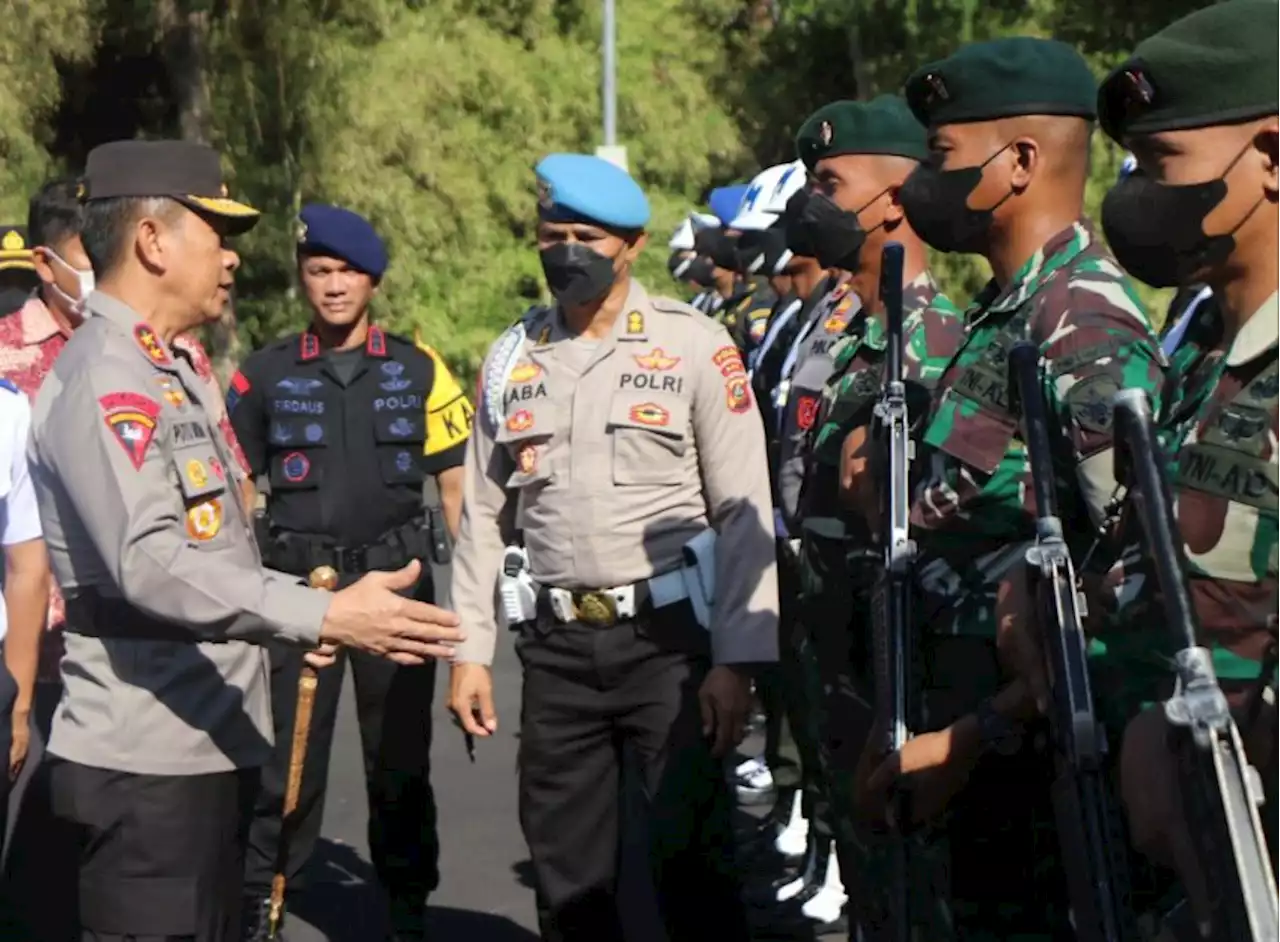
{"type": "Point", "coordinates": [682, 238]}
{"type": "Point", "coordinates": [767, 196]}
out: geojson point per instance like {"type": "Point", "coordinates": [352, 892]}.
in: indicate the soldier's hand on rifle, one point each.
{"type": "Point", "coordinates": [1018, 636]}
{"type": "Point", "coordinates": [857, 481]}
{"type": "Point", "coordinates": [932, 766]}
{"type": "Point", "coordinates": [1149, 787]}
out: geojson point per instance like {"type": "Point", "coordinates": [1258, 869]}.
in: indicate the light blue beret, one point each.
{"type": "Point", "coordinates": [725, 201]}
{"type": "Point", "coordinates": [580, 186]}
{"type": "Point", "coordinates": [332, 230]}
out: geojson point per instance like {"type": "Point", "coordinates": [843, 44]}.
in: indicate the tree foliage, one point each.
{"type": "Point", "coordinates": [427, 115]}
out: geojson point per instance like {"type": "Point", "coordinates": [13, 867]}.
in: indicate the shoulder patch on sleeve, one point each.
{"type": "Point", "coordinates": [449, 413]}
{"type": "Point", "coordinates": [131, 417]}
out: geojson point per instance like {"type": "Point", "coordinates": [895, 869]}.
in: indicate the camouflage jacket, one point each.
{"type": "Point", "coordinates": [933, 329]}
{"type": "Point", "coordinates": [973, 511]}
{"type": "Point", "coordinates": [1219, 425]}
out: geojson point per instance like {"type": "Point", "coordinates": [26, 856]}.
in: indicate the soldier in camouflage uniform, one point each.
{"type": "Point", "coordinates": [1197, 106]}
{"type": "Point", "coordinates": [1010, 123]}
{"type": "Point", "coordinates": [860, 153]}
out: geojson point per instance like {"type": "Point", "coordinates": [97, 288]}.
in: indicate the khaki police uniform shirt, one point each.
{"type": "Point", "coordinates": [610, 459]}
{"type": "Point", "coordinates": [138, 494]}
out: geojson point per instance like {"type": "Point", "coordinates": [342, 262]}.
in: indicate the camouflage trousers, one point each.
{"type": "Point", "coordinates": [834, 620]}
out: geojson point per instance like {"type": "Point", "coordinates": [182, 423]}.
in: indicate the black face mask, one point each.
{"type": "Point", "coordinates": [936, 204]}
{"type": "Point", "coordinates": [760, 251]}
{"type": "Point", "coordinates": [693, 268]}
{"type": "Point", "coordinates": [798, 236]}
{"type": "Point", "coordinates": [720, 248]}
{"type": "Point", "coordinates": [835, 233]}
{"type": "Point", "coordinates": [576, 273]}
{"type": "Point", "coordinates": [1157, 230]}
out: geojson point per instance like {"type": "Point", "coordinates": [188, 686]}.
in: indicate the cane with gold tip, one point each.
{"type": "Point", "coordinates": [322, 577]}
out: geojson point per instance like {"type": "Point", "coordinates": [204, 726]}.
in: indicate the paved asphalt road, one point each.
{"type": "Point", "coordinates": [483, 894]}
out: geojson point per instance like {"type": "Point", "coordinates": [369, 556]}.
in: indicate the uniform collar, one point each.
{"type": "Point", "coordinates": [1058, 252]}
{"type": "Point", "coordinates": [375, 344]}
{"type": "Point", "coordinates": [145, 339]}
{"type": "Point", "coordinates": [1258, 335]}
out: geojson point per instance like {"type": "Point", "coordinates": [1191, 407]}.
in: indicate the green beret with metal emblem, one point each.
{"type": "Point", "coordinates": [1003, 78]}
{"type": "Point", "coordinates": [1215, 66]}
{"type": "Point", "coordinates": [883, 125]}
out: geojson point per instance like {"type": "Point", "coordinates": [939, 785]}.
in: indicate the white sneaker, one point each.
{"type": "Point", "coordinates": [791, 889]}
{"type": "Point", "coordinates": [795, 836]}
{"type": "Point", "coordinates": [747, 767]}
{"type": "Point", "coordinates": [828, 902]}
{"type": "Point", "coordinates": [755, 787]}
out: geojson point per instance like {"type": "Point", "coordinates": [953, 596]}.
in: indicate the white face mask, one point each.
{"type": "Point", "coordinates": [84, 278]}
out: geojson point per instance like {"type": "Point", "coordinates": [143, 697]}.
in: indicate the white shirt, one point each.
{"type": "Point", "coordinates": [19, 519]}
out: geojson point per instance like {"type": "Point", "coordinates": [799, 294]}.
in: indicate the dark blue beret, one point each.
{"type": "Point", "coordinates": [586, 187]}
{"type": "Point", "coordinates": [331, 230]}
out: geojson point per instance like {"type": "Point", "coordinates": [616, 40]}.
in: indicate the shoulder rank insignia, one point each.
{"type": "Point", "coordinates": [151, 345]}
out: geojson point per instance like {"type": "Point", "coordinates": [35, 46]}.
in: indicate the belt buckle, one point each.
{"type": "Point", "coordinates": [598, 609]}
{"type": "Point", "coordinates": [350, 560]}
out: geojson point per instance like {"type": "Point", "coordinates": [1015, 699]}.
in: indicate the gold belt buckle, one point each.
{"type": "Point", "coordinates": [598, 609]}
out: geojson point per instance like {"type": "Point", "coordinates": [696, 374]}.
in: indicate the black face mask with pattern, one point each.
{"type": "Point", "coordinates": [576, 274]}
{"type": "Point", "coordinates": [1157, 230]}
{"type": "Point", "coordinates": [936, 202]}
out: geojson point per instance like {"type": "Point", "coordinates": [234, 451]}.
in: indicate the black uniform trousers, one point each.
{"type": "Point", "coordinates": [161, 857]}
{"type": "Point", "coordinates": [393, 707]}
{"type": "Point", "coordinates": [588, 694]}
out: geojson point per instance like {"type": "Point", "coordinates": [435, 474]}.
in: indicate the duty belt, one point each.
{"type": "Point", "coordinates": [94, 615]}
{"type": "Point", "coordinates": [604, 608]}
{"type": "Point", "coordinates": [302, 552]}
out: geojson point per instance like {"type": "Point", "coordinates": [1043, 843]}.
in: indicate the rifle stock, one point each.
{"type": "Point", "coordinates": [1220, 790]}
{"type": "Point", "coordinates": [1089, 828]}
{"type": "Point", "coordinates": [891, 605]}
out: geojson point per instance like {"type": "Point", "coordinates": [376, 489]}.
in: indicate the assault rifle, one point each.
{"type": "Point", "coordinates": [1221, 791]}
{"type": "Point", "coordinates": [891, 603]}
{"type": "Point", "coordinates": [1089, 827]}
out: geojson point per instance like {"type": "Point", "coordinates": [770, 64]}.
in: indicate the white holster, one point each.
{"type": "Point", "coordinates": [517, 592]}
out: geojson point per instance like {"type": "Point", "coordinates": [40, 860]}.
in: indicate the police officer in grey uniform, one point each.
{"type": "Point", "coordinates": [165, 715]}
{"type": "Point", "coordinates": [620, 431]}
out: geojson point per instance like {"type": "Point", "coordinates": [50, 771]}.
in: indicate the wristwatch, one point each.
{"type": "Point", "coordinates": [997, 733]}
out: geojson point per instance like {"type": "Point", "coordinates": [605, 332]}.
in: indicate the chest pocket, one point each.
{"type": "Point", "coordinates": [1226, 485]}
{"type": "Point", "coordinates": [209, 511]}
{"type": "Point", "coordinates": [985, 422]}
{"type": "Point", "coordinates": [650, 432]}
{"type": "Point", "coordinates": [299, 434]}
{"type": "Point", "coordinates": [399, 424]}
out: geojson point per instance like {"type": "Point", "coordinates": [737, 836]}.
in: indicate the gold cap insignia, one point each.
{"type": "Point", "coordinates": [82, 191]}
{"type": "Point", "coordinates": [301, 232]}
{"type": "Point", "coordinates": [825, 133]}
{"type": "Point", "coordinates": [544, 194]}
{"type": "Point", "coordinates": [13, 241]}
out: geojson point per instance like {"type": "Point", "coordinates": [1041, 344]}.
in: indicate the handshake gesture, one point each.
{"type": "Point", "coordinates": [371, 616]}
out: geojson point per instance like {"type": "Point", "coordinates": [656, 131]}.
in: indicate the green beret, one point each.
{"type": "Point", "coordinates": [1003, 78]}
{"type": "Point", "coordinates": [1216, 66]}
{"type": "Point", "coordinates": [883, 125]}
